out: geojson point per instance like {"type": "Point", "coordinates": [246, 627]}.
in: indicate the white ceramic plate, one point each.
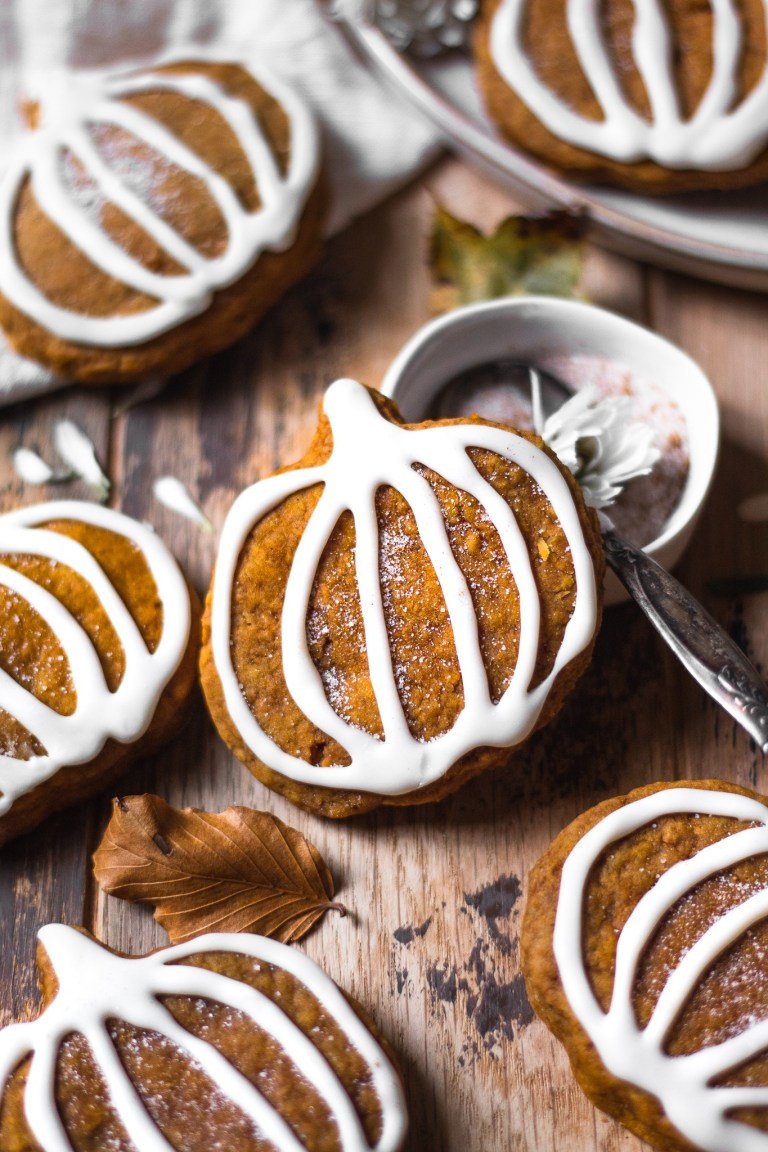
{"type": "Point", "coordinates": [719, 236]}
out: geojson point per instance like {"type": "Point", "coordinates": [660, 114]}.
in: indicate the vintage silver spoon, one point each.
{"type": "Point", "coordinates": [699, 642]}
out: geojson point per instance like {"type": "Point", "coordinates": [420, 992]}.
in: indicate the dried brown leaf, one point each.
{"type": "Point", "coordinates": [233, 871]}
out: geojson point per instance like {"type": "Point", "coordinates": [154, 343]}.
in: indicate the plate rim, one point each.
{"type": "Point", "coordinates": [652, 243]}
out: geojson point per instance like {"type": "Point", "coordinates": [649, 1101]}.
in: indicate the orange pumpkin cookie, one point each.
{"type": "Point", "coordinates": [667, 96]}
{"type": "Point", "coordinates": [394, 613]}
{"type": "Point", "coordinates": [151, 217]}
{"type": "Point", "coordinates": [643, 946]}
{"type": "Point", "coordinates": [98, 644]}
{"type": "Point", "coordinates": [229, 1041]}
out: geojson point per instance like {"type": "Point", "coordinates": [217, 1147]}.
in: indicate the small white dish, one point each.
{"type": "Point", "coordinates": [534, 329]}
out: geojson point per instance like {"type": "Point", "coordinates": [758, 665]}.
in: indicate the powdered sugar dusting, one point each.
{"type": "Point", "coordinates": [138, 1046]}
{"type": "Point", "coordinates": [140, 168]}
{"type": "Point", "coordinates": [81, 188]}
{"type": "Point", "coordinates": [394, 545]}
{"type": "Point", "coordinates": [426, 674]}
{"type": "Point", "coordinates": [318, 635]}
{"type": "Point", "coordinates": [336, 636]}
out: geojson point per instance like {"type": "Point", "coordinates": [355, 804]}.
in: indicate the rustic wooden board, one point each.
{"type": "Point", "coordinates": [431, 947]}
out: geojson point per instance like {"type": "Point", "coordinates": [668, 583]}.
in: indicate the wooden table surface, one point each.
{"type": "Point", "coordinates": [431, 947]}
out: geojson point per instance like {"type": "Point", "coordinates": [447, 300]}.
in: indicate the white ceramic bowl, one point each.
{"type": "Point", "coordinates": [532, 329]}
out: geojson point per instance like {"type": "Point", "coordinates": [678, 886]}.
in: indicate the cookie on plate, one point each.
{"type": "Point", "coordinates": [394, 613]}
{"type": "Point", "coordinates": [643, 945]}
{"type": "Point", "coordinates": [671, 96]}
{"type": "Point", "coordinates": [151, 216]}
{"type": "Point", "coordinates": [228, 1041]}
{"type": "Point", "coordinates": [98, 646]}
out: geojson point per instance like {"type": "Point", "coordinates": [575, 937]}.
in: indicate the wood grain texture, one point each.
{"type": "Point", "coordinates": [435, 894]}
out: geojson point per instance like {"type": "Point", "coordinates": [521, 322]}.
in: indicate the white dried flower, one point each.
{"type": "Point", "coordinates": [600, 443]}
{"type": "Point", "coordinates": [78, 451]}
{"type": "Point", "coordinates": [422, 27]}
{"type": "Point", "coordinates": [174, 495]}
{"type": "Point", "coordinates": [350, 9]}
{"type": "Point", "coordinates": [31, 467]}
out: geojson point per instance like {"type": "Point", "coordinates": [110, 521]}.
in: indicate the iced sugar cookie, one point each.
{"type": "Point", "coordinates": [400, 609]}
{"type": "Point", "coordinates": [98, 643]}
{"type": "Point", "coordinates": [229, 1041]}
{"type": "Point", "coordinates": [151, 216]}
{"type": "Point", "coordinates": [658, 97]}
{"type": "Point", "coordinates": [643, 945]}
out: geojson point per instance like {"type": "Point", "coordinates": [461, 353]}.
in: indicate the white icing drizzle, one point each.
{"type": "Point", "coordinates": [70, 105]}
{"type": "Point", "coordinates": [368, 452]}
{"type": "Point", "coordinates": [123, 715]}
{"type": "Point", "coordinates": [723, 133]}
{"type": "Point", "coordinates": [95, 986]}
{"type": "Point", "coordinates": [682, 1084]}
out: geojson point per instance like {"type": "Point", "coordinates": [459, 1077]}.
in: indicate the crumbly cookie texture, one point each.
{"type": "Point", "coordinates": [393, 694]}
{"type": "Point", "coordinates": [99, 636]}
{"type": "Point", "coordinates": [229, 1041]}
{"type": "Point", "coordinates": [549, 98]}
{"type": "Point", "coordinates": [642, 945]}
{"type": "Point", "coordinates": [186, 201]}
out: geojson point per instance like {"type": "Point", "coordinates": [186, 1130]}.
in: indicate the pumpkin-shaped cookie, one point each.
{"type": "Point", "coordinates": [659, 96]}
{"type": "Point", "coordinates": [97, 653]}
{"type": "Point", "coordinates": [229, 1041]}
{"type": "Point", "coordinates": [644, 943]}
{"type": "Point", "coordinates": [150, 216]}
{"type": "Point", "coordinates": [398, 610]}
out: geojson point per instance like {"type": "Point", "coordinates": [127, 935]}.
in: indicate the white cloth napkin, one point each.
{"type": "Point", "coordinates": [373, 141]}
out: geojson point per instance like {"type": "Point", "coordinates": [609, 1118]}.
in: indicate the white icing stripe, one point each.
{"type": "Point", "coordinates": [368, 452]}
{"type": "Point", "coordinates": [723, 134]}
{"type": "Point", "coordinates": [122, 196]}
{"type": "Point", "coordinates": [225, 1076]}
{"type": "Point", "coordinates": [363, 509]}
{"type": "Point", "coordinates": [141, 1129]}
{"type": "Point", "coordinates": [99, 714]}
{"type": "Point", "coordinates": [296, 1045]}
{"type": "Point", "coordinates": [517, 555]}
{"type": "Point", "coordinates": [67, 112]}
{"type": "Point", "coordinates": [456, 593]}
{"type": "Point", "coordinates": [95, 986]}
{"type": "Point", "coordinates": [682, 1084]}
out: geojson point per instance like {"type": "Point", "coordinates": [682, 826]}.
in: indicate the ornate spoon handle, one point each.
{"type": "Point", "coordinates": [697, 640]}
